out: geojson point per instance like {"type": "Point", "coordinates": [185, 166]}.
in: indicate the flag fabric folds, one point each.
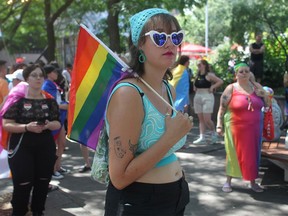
{"type": "Point", "coordinates": [4, 167]}
{"type": "Point", "coordinates": [16, 93]}
{"type": "Point", "coordinates": [181, 82]}
{"type": "Point", "coordinates": [96, 68]}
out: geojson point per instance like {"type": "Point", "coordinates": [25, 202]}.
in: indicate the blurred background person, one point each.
{"type": "Point", "coordinates": [85, 154]}
{"type": "Point", "coordinates": [15, 78]}
{"type": "Point", "coordinates": [285, 84]}
{"type": "Point", "coordinates": [29, 115]}
{"type": "Point", "coordinates": [3, 82]}
{"type": "Point", "coordinates": [205, 85]}
{"type": "Point", "coordinates": [52, 88]}
{"type": "Point", "coordinates": [181, 83]}
{"type": "Point", "coordinates": [67, 73]}
{"type": "Point", "coordinates": [277, 114]}
{"type": "Point", "coordinates": [240, 118]}
{"type": "Point", "coordinates": [257, 50]}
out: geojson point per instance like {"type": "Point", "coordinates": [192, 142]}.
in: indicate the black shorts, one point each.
{"type": "Point", "coordinates": [167, 199]}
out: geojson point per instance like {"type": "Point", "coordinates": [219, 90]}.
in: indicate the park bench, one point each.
{"type": "Point", "coordinates": [277, 153]}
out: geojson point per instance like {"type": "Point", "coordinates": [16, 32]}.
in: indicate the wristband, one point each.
{"type": "Point", "coordinates": [219, 127]}
{"type": "Point", "coordinates": [26, 129]}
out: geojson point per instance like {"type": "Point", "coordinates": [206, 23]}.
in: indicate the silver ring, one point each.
{"type": "Point", "coordinates": [167, 114]}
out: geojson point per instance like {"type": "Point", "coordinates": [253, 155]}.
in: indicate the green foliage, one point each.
{"type": "Point", "coordinates": [219, 18]}
{"type": "Point", "coordinates": [274, 63]}
{"type": "Point", "coordinates": [219, 61]}
{"type": "Point", "coordinates": [23, 26]}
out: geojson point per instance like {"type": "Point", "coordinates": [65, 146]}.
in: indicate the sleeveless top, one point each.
{"type": "Point", "coordinates": [202, 82]}
{"type": "Point", "coordinates": [257, 57]}
{"type": "Point", "coordinates": [153, 126]}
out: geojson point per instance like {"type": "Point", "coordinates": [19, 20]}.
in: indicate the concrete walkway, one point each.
{"type": "Point", "coordinates": [205, 171]}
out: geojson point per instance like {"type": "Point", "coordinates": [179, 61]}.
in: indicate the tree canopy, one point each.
{"type": "Point", "coordinates": [34, 25]}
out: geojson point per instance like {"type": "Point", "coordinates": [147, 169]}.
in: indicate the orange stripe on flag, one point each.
{"type": "Point", "coordinates": [82, 62]}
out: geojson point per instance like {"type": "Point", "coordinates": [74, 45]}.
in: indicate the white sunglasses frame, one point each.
{"type": "Point", "coordinates": [150, 33]}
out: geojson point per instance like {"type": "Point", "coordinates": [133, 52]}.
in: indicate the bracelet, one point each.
{"type": "Point", "coordinates": [26, 129]}
{"type": "Point", "coordinates": [219, 127]}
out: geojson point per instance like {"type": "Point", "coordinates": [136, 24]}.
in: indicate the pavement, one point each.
{"type": "Point", "coordinates": [204, 166]}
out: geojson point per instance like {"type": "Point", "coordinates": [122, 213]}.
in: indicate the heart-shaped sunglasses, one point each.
{"type": "Point", "coordinates": [160, 39]}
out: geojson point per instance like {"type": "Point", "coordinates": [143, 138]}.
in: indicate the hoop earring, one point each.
{"type": "Point", "coordinates": [141, 57]}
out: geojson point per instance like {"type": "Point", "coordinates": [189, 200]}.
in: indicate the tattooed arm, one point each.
{"type": "Point", "coordinates": [224, 101]}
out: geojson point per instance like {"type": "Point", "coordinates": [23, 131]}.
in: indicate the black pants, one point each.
{"type": "Point", "coordinates": [32, 167]}
{"type": "Point", "coordinates": [167, 199]}
{"type": "Point", "coordinates": [257, 68]}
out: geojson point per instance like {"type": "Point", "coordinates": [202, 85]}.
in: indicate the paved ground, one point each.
{"type": "Point", "coordinates": [204, 166]}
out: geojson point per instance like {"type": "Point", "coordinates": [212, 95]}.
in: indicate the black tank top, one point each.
{"type": "Point", "coordinates": [257, 57]}
{"type": "Point", "coordinates": [202, 82]}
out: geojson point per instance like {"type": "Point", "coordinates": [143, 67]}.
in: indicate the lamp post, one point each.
{"type": "Point", "coordinates": [206, 28]}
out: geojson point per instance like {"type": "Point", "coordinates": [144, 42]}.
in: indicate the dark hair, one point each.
{"type": "Point", "coordinates": [68, 65]}
{"type": "Point", "coordinates": [49, 69]}
{"type": "Point", "coordinates": [207, 67]}
{"type": "Point", "coordinates": [168, 21]}
{"type": "Point", "coordinates": [182, 60]}
{"type": "Point", "coordinates": [40, 62]}
{"type": "Point", "coordinates": [55, 64]}
{"type": "Point", "coordinates": [2, 62]}
{"type": "Point", "coordinates": [27, 71]}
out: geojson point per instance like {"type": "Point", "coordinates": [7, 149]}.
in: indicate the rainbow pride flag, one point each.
{"type": "Point", "coordinates": [96, 68]}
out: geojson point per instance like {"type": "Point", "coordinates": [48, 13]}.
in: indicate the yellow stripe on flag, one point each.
{"type": "Point", "coordinates": [90, 78]}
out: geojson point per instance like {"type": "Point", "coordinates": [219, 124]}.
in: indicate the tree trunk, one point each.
{"type": "Point", "coordinates": [49, 20]}
{"type": "Point", "coordinates": [113, 28]}
{"type": "Point", "coordinates": [51, 42]}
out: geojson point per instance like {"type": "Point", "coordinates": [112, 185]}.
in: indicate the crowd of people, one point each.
{"type": "Point", "coordinates": [142, 163]}
{"type": "Point", "coordinates": [34, 110]}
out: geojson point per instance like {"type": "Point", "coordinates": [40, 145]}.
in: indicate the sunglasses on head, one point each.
{"type": "Point", "coordinates": [160, 39]}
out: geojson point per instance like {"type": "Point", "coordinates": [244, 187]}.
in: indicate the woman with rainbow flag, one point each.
{"type": "Point", "coordinates": [144, 128]}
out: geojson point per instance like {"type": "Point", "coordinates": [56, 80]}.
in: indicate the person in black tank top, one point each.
{"type": "Point", "coordinates": [204, 86]}
{"type": "Point", "coordinates": [257, 50]}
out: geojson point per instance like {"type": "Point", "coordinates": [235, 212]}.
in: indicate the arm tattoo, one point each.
{"type": "Point", "coordinates": [225, 97]}
{"type": "Point", "coordinates": [132, 147]}
{"type": "Point", "coordinates": [119, 150]}
{"type": "Point", "coordinates": [225, 100]}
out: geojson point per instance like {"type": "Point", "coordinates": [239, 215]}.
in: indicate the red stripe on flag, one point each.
{"type": "Point", "coordinates": [86, 48]}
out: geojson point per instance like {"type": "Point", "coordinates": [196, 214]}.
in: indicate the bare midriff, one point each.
{"type": "Point", "coordinates": [165, 174]}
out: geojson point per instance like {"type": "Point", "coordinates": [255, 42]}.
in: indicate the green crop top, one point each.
{"type": "Point", "coordinates": [153, 126]}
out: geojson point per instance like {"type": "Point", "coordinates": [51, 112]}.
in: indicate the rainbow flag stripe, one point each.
{"type": "Point", "coordinates": [96, 68]}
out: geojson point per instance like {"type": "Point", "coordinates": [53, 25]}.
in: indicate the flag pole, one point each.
{"type": "Point", "coordinates": [145, 83]}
